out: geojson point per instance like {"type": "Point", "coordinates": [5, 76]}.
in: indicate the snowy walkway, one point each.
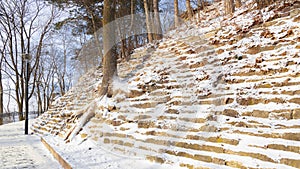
{"type": "Point", "coordinates": [20, 151]}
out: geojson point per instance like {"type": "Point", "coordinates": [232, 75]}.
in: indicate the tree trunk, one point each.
{"type": "Point", "coordinates": [200, 4]}
{"type": "Point", "coordinates": [133, 20]}
{"type": "Point", "coordinates": [136, 40]}
{"type": "Point", "coordinates": [109, 68]}
{"type": "Point", "coordinates": [132, 12]}
{"type": "Point", "coordinates": [229, 6]}
{"type": "Point", "coordinates": [157, 24]}
{"type": "Point", "coordinates": [148, 22]}
{"type": "Point", "coordinates": [1, 99]}
{"type": "Point", "coordinates": [189, 8]}
{"type": "Point", "coordinates": [132, 28]}
{"type": "Point", "coordinates": [263, 3]}
{"type": "Point", "coordinates": [152, 19]}
{"type": "Point", "coordinates": [20, 111]}
{"type": "Point", "coordinates": [123, 41]}
{"type": "Point", "coordinates": [238, 3]}
{"type": "Point", "coordinates": [39, 100]}
{"type": "Point", "coordinates": [176, 13]}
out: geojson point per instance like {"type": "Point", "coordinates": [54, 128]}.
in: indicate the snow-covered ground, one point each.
{"type": "Point", "coordinates": [23, 151]}
{"type": "Point", "coordinates": [14, 117]}
{"type": "Point", "coordinates": [27, 151]}
{"type": "Point", "coordinates": [88, 155]}
{"type": "Point", "coordinates": [211, 94]}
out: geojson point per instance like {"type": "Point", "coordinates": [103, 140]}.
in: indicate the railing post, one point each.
{"type": "Point", "coordinates": [27, 60]}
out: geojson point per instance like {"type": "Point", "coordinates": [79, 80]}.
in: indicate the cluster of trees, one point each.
{"type": "Point", "coordinates": [30, 33]}
{"type": "Point", "coordinates": [17, 47]}
{"type": "Point", "coordinates": [94, 32]}
{"type": "Point", "coordinates": [153, 29]}
{"type": "Point", "coordinates": [28, 54]}
{"type": "Point", "coordinates": [117, 39]}
{"type": "Point", "coordinates": [230, 5]}
{"type": "Point", "coordinates": [154, 32]}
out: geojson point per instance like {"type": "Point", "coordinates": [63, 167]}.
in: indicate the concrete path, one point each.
{"type": "Point", "coordinates": [23, 151]}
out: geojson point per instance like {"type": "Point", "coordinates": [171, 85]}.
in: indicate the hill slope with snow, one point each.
{"type": "Point", "coordinates": [218, 91]}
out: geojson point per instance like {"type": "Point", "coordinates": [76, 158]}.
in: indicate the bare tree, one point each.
{"type": "Point", "coordinates": [3, 43]}
{"type": "Point", "coordinates": [2, 51]}
{"type": "Point", "coordinates": [1, 92]}
{"type": "Point", "coordinates": [45, 83]}
{"type": "Point", "coordinates": [60, 64]}
{"type": "Point", "coordinates": [55, 69]}
{"type": "Point", "coordinates": [12, 28]}
{"type": "Point", "coordinates": [20, 27]}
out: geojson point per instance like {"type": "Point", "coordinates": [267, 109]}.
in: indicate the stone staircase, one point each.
{"type": "Point", "coordinates": [201, 99]}
{"type": "Point", "coordinates": [57, 120]}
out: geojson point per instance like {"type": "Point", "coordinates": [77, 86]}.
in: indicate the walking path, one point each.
{"type": "Point", "coordinates": [23, 151]}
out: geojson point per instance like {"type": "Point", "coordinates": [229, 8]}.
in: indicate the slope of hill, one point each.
{"type": "Point", "coordinates": [218, 91]}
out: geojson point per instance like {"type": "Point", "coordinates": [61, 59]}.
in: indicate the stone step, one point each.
{"type": "Point", "coordinates": [154, 134]}
{"type": "Point", "coordinates": [238, 161]}
{"type": "Point", "coordinates": [260, 72]}
{"type": "Point", "coordinates": [275, 114]}
{"type": "Point", "coordinates": [144, 105]}
{"type": "Point", "coordinates": [294, 149]}
{"type": "Point", "coordinates": [184, 146]}
{"type": "Point", "coordinates": [295, 136]}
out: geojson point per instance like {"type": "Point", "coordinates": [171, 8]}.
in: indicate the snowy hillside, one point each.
{"type": "Point", "coordinates": [217, 92]}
